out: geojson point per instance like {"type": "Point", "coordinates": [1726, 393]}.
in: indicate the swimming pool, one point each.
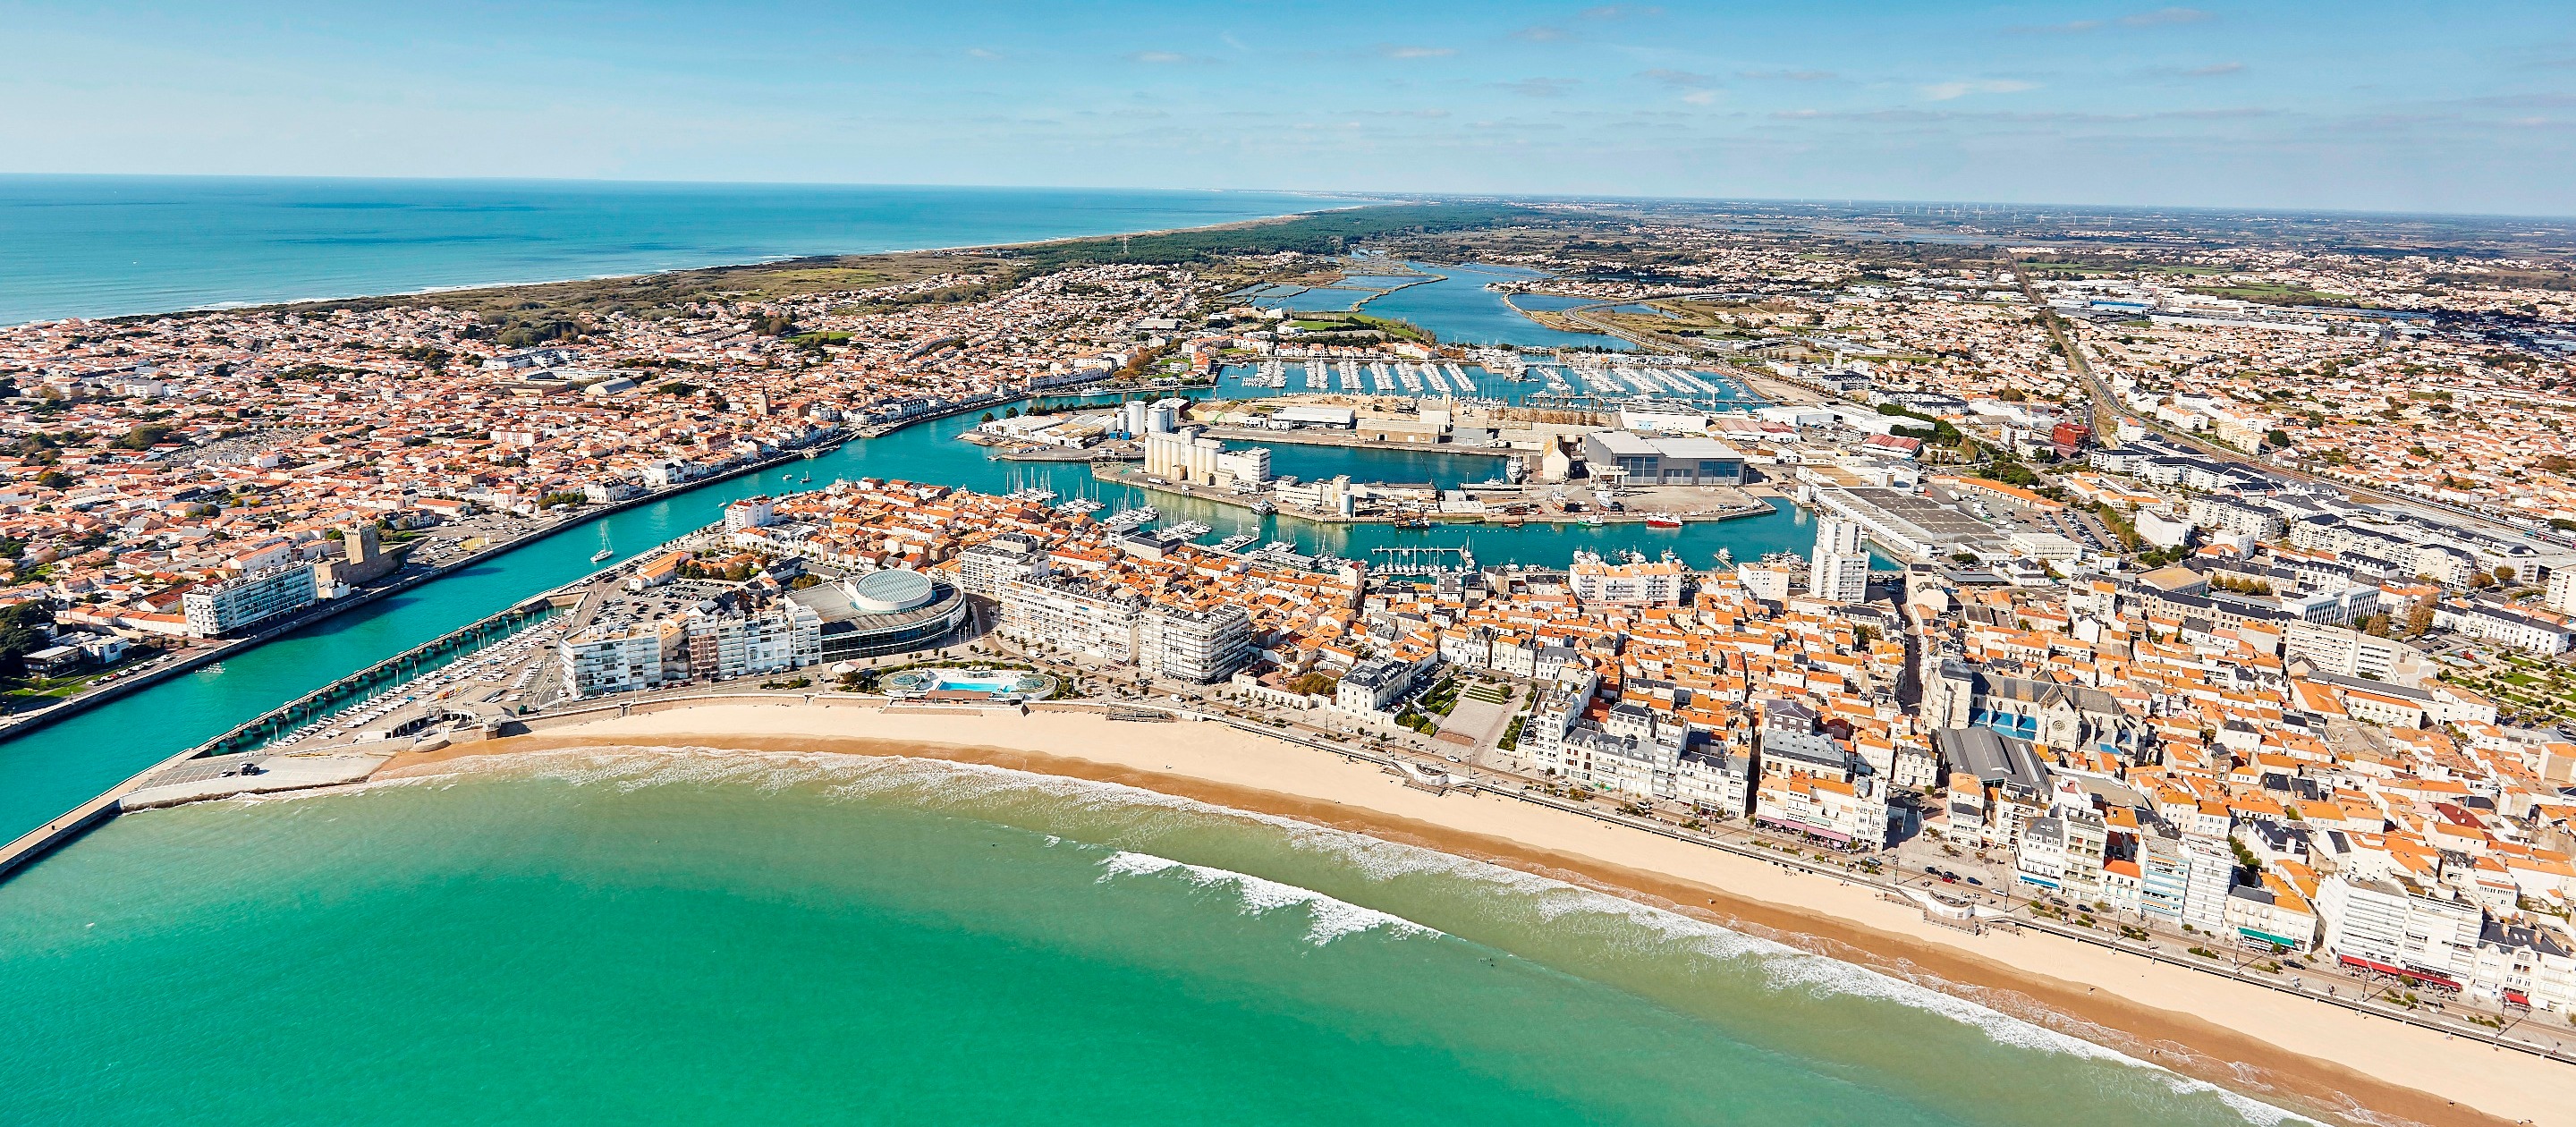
{"type": "Point", "coordinates": [990, 682]}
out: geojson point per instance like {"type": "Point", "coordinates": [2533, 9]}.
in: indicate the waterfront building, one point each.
{"type": "Point", "coordinates": [1201, 647]}
{"type": "Point", "coordinates": [894, 610]}
{"type": "Point", "coordinates": [726, 643]}
{"type": "Point", "coordinates": [2270, 910]}
{"type": "Point", "coordinates": [1639, 582]}
{"type": "Point", "coordinates": [616, 658]}
{"type": "Point", "coordinates": [1714, 780]}
{"type": "Point", "coordinates": [1372, 685]}
{"type": "Point", "coordinates": [249, 599]}
{"type": "Point", "coordinates": [2399, 926]}
{"type": "Point", "coordinates": [1072, 616]}
{"type": "Point", "coordinates": [750, 512]}
{"type": "Point", "coordinates": [1187, 456]}
{"type": "Point", "coordinates": [1662, 459]}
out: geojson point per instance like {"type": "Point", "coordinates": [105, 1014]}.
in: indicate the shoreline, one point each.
{"type": "Point", "coordinates": [2297, 1049]}
{"type": "Point", "coordinates": [782, 260]}
{"type": "Point", "coordinates": [35, 720]}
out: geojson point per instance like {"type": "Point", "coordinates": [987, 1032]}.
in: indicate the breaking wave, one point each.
{"type": "Point", "coordinates": [1331, 919]}
{"type": "Point", "coordinates": [1114, 815]}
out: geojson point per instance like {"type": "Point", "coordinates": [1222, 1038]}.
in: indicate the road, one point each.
{"type": "Point", "coordinates": [2108, 410]}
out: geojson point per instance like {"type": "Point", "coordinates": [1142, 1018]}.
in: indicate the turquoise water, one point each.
{"type": "Point", "coordinates": [95, 246]}
{"type": "Point", "coordinates": [1314, 299]}
{"type": "Point", "coordinates": [773, 939]}
{"type": "Point", "coordinates": [1460, 310]}
{"type": "Point", "coordinates": [52, 770]}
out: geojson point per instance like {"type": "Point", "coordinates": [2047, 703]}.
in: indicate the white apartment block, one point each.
{"type": "Point", "coordinates": [2397, 926]}
{"type": "Point", "coordinates": [253, 598]}
{"type": "Point", "coordinates": [773, 640]}
{"type": "Point", "coordinates": [982, 569]}
{"type": "Point", "coordinates": [603, 660]}
{"type": "Point", "coordinates": [1657, 583]}
{"type": "Point", "coordinates": [1202, 647]}
{"type": "Point", "coordinates": [1071, 616]}
{"type": "Point", "coordinates": [1840, 573]}
{"type": "Point", "coordinates": [2562, 590]}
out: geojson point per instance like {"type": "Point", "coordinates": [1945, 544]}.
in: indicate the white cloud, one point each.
{"type": "Point", "coordinates": [1408, 51]}
{"type": "Point", "coordinates": [1701, 97]}
{"type": "Point", "coordinates": [1156, 58]}
{"type": "Point", "coordinates": [1945, 91]}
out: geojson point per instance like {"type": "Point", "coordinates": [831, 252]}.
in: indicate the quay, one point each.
{"type": "Point", "coordinates": [1686, 504]}
{"type": "Point", "coordinates": [199, 656]}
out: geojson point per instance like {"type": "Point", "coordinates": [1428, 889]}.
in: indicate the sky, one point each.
{"type": "Point", "coordinates": [2351, 105]}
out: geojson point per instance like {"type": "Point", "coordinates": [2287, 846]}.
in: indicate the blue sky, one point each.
{"type": "Point", "coordinates": [2348, 105]}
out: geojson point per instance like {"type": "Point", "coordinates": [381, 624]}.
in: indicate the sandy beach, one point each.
{"type": "Point", "coordinates": [2310, 1055]}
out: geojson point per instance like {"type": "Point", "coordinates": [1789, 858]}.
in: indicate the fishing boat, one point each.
{"type": "Point", "coordinates": [1662, 522]}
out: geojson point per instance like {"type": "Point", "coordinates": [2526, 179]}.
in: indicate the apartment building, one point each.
{"type": "Point", "coordinates": [1201, 647]}
{"type": "Point", "coordinates": [1072, 616]}
{"type": "Point", "coordinates": [618, 658]}
{"type": "Point", "coordinates": [248, 600]}
{"type": "Point", "coordinates": [2397, 926]}
{"type": "Point", "coordinates": [723, 643]}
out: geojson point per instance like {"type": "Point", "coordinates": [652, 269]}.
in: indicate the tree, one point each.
{"type": "Point", "coordinates": [2420, 619]}
{"type": "Point", "coordinates": [988, 417]}
{"type": "Point", "coordinates": [22, 633]}
{"type": "Point", "coordinates": [2277, 437]}
{"type": "Point", "coordinates": [2504, 573]}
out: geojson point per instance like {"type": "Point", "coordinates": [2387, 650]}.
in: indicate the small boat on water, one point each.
{"type": "Point", "coordinates": [602, 555]}
{"type": "Point", "coordinates": [1662, 522]}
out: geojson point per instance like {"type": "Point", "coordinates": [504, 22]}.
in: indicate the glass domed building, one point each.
{"type": "Point", "coordinates": [884, 612]}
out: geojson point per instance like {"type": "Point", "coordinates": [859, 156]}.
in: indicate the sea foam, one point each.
{"type": "Point", "coordinates": [1548, 901]}
{"type": "Point", "coordinates": [1331, 918]}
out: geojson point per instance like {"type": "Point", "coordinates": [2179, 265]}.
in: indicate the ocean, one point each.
{"type": "Point", "coordinates": [100, 246]}
{"type": "Point", "coordinates": [737, 938]}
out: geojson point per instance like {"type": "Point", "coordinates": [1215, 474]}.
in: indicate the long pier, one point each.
{"type": "Point", "coordinates": [250, 734]}
{"type": "Point", "coordinates": [268, 725]}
